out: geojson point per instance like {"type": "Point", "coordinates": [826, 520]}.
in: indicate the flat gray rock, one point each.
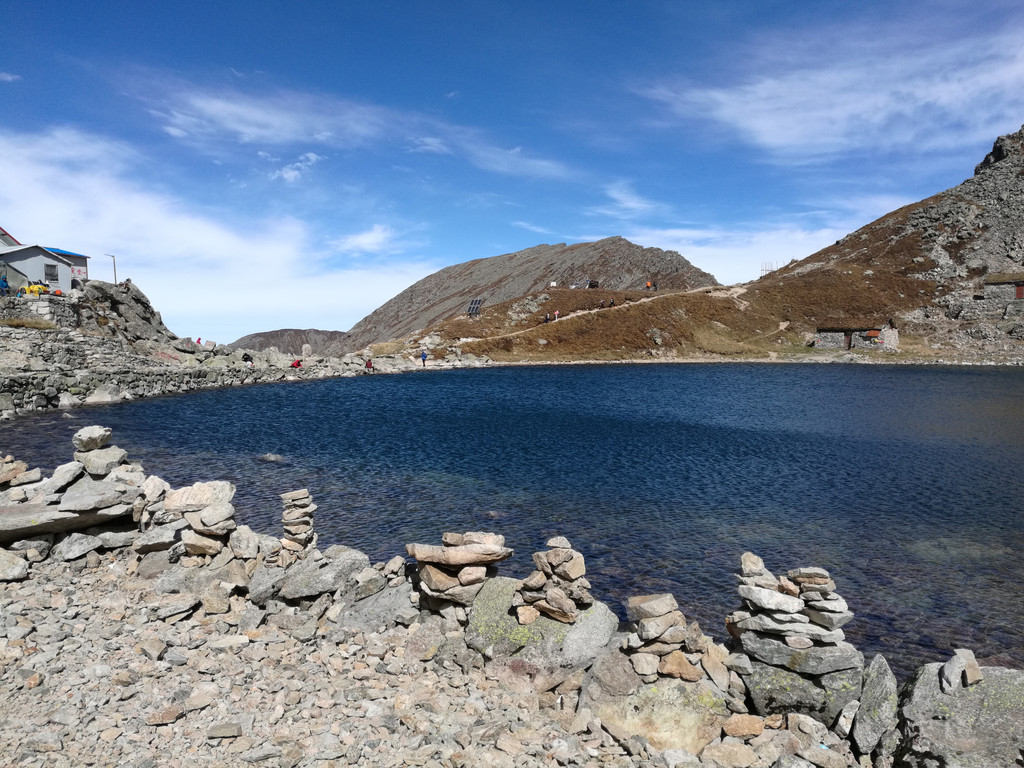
{"type": "Point", "coordinates": [309, 578]}
{"type": "Point", "coordinates": [379, 610]}
{"type": "Point", "coordinates": [88, 495]}
{"type": "Point", "coordinates": [12, 567]}
{"type": "Point", "coordinates": [75, 545]}
{"type": "Point", "coordinates": [103, 461]}
{"type": "Point", "coordinates": [91, 438]}
{"type": "Point", "coordinates": [816, 660]}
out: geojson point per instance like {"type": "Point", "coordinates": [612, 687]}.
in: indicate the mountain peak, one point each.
{"type": "Point", "coordinates": [1009, 146]}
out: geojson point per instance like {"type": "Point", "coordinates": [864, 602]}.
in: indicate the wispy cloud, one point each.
{"type": "Point", "coordinates": [281, 117]}
{"type": "Point", "coordinates": [533, 228]}
{"type": "Point", "coordinates": [850, 89]}
{"type": "Point", "coordinates": [379, 238]}
{"type": "Point", "coordinates": [626, 203]}
{"type": "Point", "coordinates": [209, 119]}
{"type": "Point", "coordinates": [294, 171]}
{"type": "Point", "coordinates": [7, 77]}
{"type": "Point", "coordinates": [429, 145]}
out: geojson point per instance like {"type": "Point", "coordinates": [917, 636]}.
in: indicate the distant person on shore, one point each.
{"type": "Point", "coordinates": [247, 359]}
{"type": "Point", "coordinates": [369, 365]}
{"type": "Point", "coordinates": [296, 364]}
{"type": "Point", "coordinates": [602, 303]}
{"type": "Point", "coordinates": [556, 315]}
{"type": "Point", "coordinates": [5, 287]}
{"type": "Point", "coordinates": [423, 357]}
{"type": "Point", "coordinates": [547, 317]}
{"type": "Point", "coordinates": [612, 303]}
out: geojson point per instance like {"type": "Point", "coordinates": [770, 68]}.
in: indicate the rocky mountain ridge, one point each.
{"type": "Point", "coordinates": [614, 263]}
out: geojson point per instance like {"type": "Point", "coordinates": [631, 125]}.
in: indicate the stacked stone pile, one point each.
{"type": "Point", "coordinates": [557, 588]}
{"type": "Point", "coordinates": [791, 629]}
{"type": "Point", "coordinates": [297, 520]}
{"type": "Point", "coordinates": [454, 573]}
{"type": "Point", "coordinates": [662, 644]}
{"type": "Point", "coordinates": [99, 485]}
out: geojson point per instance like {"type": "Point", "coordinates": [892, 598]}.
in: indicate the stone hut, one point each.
{"type": "Point", "coordinates": [1004, 294]}
{"type": "Point", "coordinates": [858, 334]}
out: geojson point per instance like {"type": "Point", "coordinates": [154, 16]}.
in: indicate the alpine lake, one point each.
{"type": "Point", "coordinates": [906, 483]}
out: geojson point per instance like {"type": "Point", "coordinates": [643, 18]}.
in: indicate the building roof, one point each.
{"type": "Point", "coordinates": [6, 238]}
{"type": "Point", "coordinates": [857, 324]}
{"type": "Point", "coordinates": [12, 249]}
{"type": "Point", "coordinates": [62, 252]}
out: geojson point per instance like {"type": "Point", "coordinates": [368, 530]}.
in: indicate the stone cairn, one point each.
{"type": "Point", "coordinates": [792, 625]}
{"type": "Point", "coordinates": [454, 573]}
{"type": "Point", "coordinates": [297, 520]}
{"type": "Point", "coordinates": [662, 644]}
{"type": "Point", "coordinates": [558, 588]}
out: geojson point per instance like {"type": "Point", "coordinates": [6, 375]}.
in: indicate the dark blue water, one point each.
{"type": "Point", "coordinates": [906, 483]}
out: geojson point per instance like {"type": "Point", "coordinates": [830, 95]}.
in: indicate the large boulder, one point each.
{"type": "Point", "coordinates": [311, 578]}
{"type": "Point", "coordinates": [12, 567]}
{"type": "Point", "coordinates": [543, 653]}
{"type": "Point", "coordinates": [671, 714]}
{"type": "Point", "coordinates": [979, 726]}
{"type": "Point", "coordinates": [774, 690]}
{"type": "Point", "coordinates": [878, 703]}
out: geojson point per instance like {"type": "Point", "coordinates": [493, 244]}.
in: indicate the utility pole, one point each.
{"type": "Point", "coordinates": [114, 259]}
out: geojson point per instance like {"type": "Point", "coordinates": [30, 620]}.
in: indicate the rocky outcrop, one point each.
{"type": "Point", "coordinates": [106, 343]}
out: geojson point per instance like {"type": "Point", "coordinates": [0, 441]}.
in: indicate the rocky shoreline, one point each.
{"type": "Point", "coordinates": [142, 626]}
{"type": "Point", "coordinates": [106, 344]}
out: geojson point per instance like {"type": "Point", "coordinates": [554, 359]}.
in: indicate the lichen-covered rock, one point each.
{"type": "Point", "coordinates": [542, 647]}
{"type": "Point", "coordinates": [980, 726]}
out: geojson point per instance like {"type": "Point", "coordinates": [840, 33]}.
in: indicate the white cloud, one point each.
{"type": "Point", "coordinates": [626, 203]}
{"type": "Point", "coordinates": [283, 118]}
{"type": "Point", "coordinates": [854, 88]}
{"type": "Point", "coordinates": [429, 145]}
{"type": "Point", "coordinates": [219, 279]}
{"type": "Point", "coordinates": [737, 256]}
{"type": "Point", "coordinates": [293, 171]}
{"type": "Point", "coordinates": [7, 77]}
{"type": "Point", "coordinates": [532, 228]}
{"type": "Point", "coordinates": [378, 239]}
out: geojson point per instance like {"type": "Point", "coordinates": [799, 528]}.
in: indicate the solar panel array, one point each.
{"type": "Point", "coordinates": [474, 307]}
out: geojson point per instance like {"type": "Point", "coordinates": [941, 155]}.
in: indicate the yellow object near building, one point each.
{"type": "Point", "coordinates": [35, 289]}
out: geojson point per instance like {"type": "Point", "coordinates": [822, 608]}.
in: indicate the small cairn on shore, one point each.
{"type": "Point", "coordinates": [454, 573]}
{"type": "Point", "coordinates": [662, 644]}
{"type": "Point", "coordinates": [297, 521]}
{"type": "Point", "coordinates": [791, 627]}
{"type": "Point", "coordinates": [557, 588]}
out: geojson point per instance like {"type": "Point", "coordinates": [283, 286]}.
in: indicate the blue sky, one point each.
{"type": "Point", "coordinates": [257, 165]}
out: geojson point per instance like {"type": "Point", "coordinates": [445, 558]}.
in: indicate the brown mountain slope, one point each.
{"type": "Point", "coordinates": [929, 266]}
{"type": "Point", "coordinates": [614, 263]}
